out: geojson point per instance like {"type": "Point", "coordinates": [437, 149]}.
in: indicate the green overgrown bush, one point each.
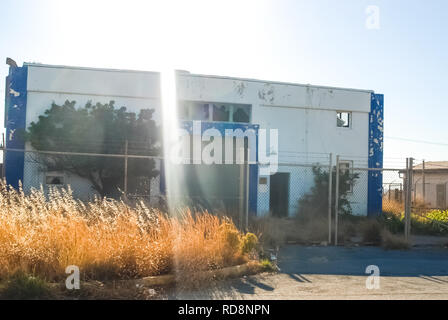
{"type": "Point", "coordinates": [433, 222]}
{"type": "Point", "coordinates": [315, 202]}
{"type": "Point", "coordinates": [249, 243]}
{"type": "Point", "coordinates": [392, 222]}
{"type": "Point", "coordinates": [21, 286]}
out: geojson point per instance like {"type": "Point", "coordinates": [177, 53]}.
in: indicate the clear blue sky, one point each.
{"type": "Point", "coordinates": [319, 42]}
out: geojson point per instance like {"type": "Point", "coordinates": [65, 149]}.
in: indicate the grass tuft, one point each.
{"type": "Point", "coordinates": [21, 286]}
{"type": "Point", "coordinates": [267, 266]}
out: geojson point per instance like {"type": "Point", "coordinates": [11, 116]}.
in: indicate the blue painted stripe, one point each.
{"type": "Point", "coordinates": [375, 178]}
{"type": "Point", "coordinates": [16, 98]}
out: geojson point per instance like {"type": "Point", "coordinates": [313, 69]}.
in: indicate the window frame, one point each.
{"type": "Point", "coordinates": [211, 105]}
{"type": "Point", "coordinates": [350, 119]}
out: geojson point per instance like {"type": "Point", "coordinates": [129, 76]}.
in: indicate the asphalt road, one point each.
{"type": "Point", "coordinates": [339, 273]}
{"type": "Point", "coordinates": [354, 260]}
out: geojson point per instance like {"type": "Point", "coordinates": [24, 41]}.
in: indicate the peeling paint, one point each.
{"type": "Point", "coordinates": [267, 94]}
{"type": "Point", "coordinates": [14, 93]}
{"type": "Point", "coordinates": [375, 179]}
{"type": "Point", "coordinates": [240, 87]}
{"type": "Point", "coordinates": [11, 134]}
{"type": "Point", "coordinates": [15, 105]}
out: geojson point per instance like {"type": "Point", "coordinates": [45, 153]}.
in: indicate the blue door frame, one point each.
{"type": "Point", "coordinates": [222, 127]}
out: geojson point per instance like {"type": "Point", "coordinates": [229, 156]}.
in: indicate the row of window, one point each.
{"type": "Point", "coordinates": [230, 112]}
{"type": "Point", "coordinates": [226, 112]}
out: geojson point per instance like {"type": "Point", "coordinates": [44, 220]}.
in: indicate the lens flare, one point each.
{"type": "Point", "coordinates": [170, 123]}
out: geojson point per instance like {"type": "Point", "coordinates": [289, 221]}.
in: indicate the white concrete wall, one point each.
{"type": "Point", "coordinates": [305, 116]}
{"type": "Point", "coordinates": [134, 90]}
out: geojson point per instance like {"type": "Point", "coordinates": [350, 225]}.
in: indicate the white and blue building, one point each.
{"type": "Point", "coordinates": [311, 120]}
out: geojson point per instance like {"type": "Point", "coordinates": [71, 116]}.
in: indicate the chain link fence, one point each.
{"type": "Point", "coordinates": [93, 175]}
{"type": "Point", "coordinates": [301, 187]}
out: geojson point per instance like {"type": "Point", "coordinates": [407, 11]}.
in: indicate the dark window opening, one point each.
{"type": "Point", "coordinates": [343, 119]}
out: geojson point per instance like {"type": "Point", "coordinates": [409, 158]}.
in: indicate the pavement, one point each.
{"type": "Point", "coordinates": [314, 272]}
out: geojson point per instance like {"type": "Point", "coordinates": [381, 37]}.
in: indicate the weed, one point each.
{"type": "Point", "coordinates": [21, 286]}
{"type": "Point", "coordinates": [267, 265]}
{"type": "Point", "coordinates": [393, 242]}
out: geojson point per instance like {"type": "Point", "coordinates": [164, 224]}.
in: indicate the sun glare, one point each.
{"type": "Point", "coordinates": [173, 181]}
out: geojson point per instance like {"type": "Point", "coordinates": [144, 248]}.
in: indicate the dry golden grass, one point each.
{"type": "Point", "coordinates": [397, 208]}
{"type": "Point", "coordinates": [107, 239]}
{"type": "Point", "coordinates": [392, 206]}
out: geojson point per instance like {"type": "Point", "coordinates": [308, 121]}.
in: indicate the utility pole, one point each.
{"type": "Point", "coordinates": [126, 169]}
{"type": "Point", "coordinates": [408, 198]}
{"type": "Point", "coordinates": [411, 180]}
{"type": "Point", "coordinates": [246, 212]}
{"type": "Point", "coordinates": [330, 185]}
{"type": "Point", "coordinates": [336, 205]}
{"type": "Point", "coordinates": [242, 189]}
{"type": "Point", "coordinates": [424, 182]}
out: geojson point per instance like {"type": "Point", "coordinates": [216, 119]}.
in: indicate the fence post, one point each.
{"type": "Point", "coordinates": [125, 187]}
{"type": "Point", "coordinates": [424, 182]}
{"type": "Point", "coordinates": [3, 147]}
{"type": "Point", "coordinates": [336, 203]}
{"type": "Point", "coordinates": [406, 197]}
{"type": "Point", "coordinates": [408, 200]}
{"type": "Point", "coordinates": [330, 186]}
{"type": "Point", "coordinates": [242, 188]}
{"type": "Point", "coordinates": [246, 209]}
{"type": "Point", "coordinates": [411, 184]}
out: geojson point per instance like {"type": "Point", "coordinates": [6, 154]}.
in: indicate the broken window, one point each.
{"type": "Point", "coordinates": [54, 180]}
{"type": "Point", "coordinates": [221, 112]}
{"type": "Point", "coordinates": [343, 119]}
{"type": "Point", "coordinates": [224, 112]}
{"type": "Point", "coordinates": [199, 111]}
{"type": "Point", "coordinates": [241, 114]}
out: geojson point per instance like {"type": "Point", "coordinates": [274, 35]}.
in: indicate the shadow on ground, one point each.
{"type": "Point", "coordinates": [315, 271]}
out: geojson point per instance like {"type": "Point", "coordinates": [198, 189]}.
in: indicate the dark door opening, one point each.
{"type": "Point", "coordinates": [441, 196]}
{"type": "Point", "coordinates": [279, 194]}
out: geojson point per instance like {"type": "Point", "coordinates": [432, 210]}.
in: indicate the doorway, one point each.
{"type": "Point", "coordinates": [279, 194]}
{"type": "Point", "coordinates": [441, 196]}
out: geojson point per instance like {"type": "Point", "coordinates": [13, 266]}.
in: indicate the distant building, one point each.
{"type": "Point", "coordinates": [310, 120]}
{"type": "Point", "coordinates": [436, 180]}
